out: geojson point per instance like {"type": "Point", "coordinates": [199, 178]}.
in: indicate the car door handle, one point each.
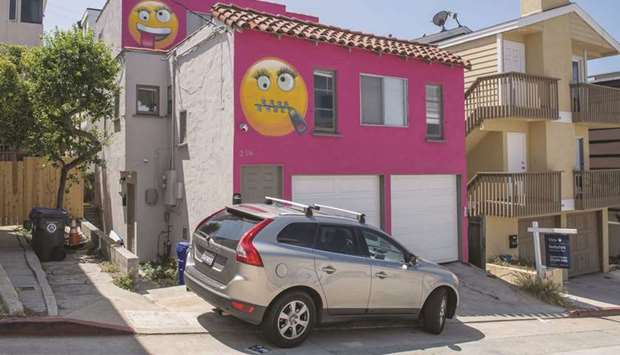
{"type": "Point", "coordinates": [328, 269]}
{"type": "Point", "coordinates": [382, 275]}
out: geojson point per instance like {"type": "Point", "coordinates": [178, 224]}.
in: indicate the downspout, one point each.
{"type": "Point", "coordinates": [173, 119]}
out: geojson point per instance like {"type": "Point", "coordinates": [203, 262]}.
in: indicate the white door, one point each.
{"type": "Point", "coordinates": [425, 215]}
{"type": "Point", "coordinates": [514, 57]}
{"type": "Point", "coordinates": [517, 152]}
{"type": "Point", "coordinates": [360, 193]}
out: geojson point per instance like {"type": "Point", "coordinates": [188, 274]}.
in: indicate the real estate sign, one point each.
{"type": "Point", "coordinates": [557, 248]}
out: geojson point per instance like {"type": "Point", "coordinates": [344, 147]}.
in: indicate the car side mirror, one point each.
{"type": "Point", "coordinates": [412, 259]}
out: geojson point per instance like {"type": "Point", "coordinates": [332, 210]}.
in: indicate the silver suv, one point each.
{"type": "Point", "coordinates": [287, 267]}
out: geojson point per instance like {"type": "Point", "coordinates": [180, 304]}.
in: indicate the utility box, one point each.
{"type": "Point", "coordinates": [170, 188]}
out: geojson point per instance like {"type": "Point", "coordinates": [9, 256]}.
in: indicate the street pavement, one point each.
{"type": "Point", "coordinates": [553, 336]}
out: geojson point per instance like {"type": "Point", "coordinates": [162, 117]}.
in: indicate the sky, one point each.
{"type": "Point", "coordinates": [405, 19]}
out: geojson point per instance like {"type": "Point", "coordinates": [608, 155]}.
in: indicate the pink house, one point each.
{"type": "Point", "coordinates": [264, 102]}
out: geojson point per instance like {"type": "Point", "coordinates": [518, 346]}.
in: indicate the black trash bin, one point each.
{"type": "Point", "coordinates": [48, 233]}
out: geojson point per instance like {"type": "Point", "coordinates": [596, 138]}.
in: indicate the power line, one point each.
{"type": "Point", "coordinates": [208, 20]}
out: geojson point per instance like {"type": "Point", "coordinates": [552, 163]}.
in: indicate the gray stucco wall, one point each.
{"type": "Point", "coordinates": [108, 27]}
{"type": "Point", "coordinates": [142, 146]}
{"type": "Point", "coordinates": [204, 87]}
{"type": "Point", "coordinates": [16, 32]}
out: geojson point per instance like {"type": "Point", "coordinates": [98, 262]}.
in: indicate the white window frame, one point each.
{"type": "Point", "coordinates": [405, 99]}
{"type": "Point", "coordinates": [328, 74]}
{"type": "Point", "coordinates": [442, 113]}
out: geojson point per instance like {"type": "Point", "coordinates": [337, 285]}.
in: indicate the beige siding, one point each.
{"type": "Point", "coordinates": [582, 32]}
{"type": "Point", "coordinates": [482, 55]}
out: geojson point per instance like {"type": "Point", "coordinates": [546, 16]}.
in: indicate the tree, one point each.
{"type": "Point", "coordinates": [72, 86]}
{"type": "Point", "coordinates": [15, 108]}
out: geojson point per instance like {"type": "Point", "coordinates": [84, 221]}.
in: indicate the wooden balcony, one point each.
{"type": "Point", "coordinates": [511, 95]}
{"type": "Point", "coordinates": [595, 104]}
{"type": "Point", "coordinates": [597, 189]}
{"type": "Point", "coordinates": [514, 194]}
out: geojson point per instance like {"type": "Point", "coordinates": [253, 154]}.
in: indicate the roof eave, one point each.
{"type": "Point", "coordinates": [530, 20]}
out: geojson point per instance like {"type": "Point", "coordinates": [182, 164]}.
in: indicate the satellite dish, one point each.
{"type": "Point", "coordinates": [440, 19]}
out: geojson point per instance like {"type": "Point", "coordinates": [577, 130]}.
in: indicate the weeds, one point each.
{"type": "Point", "coordinates": [108, 267]}
{"type": "Point", "coordinates": [124, 281]}
{"type": "Point", "coordinates": [163, 273]}
{"type": "Point", "coordinates": [545, 290]}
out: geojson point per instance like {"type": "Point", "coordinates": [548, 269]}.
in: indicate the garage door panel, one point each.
{"type": "Point", "coordinates": [353, 192]}
{"type": "Point", "coordinates": [424, 215]}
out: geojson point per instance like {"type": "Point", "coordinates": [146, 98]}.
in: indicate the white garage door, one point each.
{"type": "Point", "coordinates": [424, 215]}
{"type": "Point", "coordinates": [359, 193]}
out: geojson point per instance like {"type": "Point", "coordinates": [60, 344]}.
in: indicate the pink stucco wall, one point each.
{"type": "Point", "coordinates": [358, 149]}
{"type": "Point", "coordinates": [180, 8]}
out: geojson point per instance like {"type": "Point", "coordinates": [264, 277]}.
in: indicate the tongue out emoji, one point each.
{"type": "Point", "coordinates": [153, 24]}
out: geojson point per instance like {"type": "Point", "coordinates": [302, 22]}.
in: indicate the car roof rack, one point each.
{"type": "Point", "coordinates": [272, 200]}
{"type": "Point", "coordinates": [361, 217]}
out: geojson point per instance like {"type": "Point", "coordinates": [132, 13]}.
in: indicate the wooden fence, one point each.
{"type": "Point", "coordinates": [597, 188]}
{"type": "Point", "coordinates": [29, 183]}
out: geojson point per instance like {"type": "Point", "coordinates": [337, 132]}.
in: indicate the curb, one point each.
{"type": "Point", "coordinates": [595, 313]}
{"type": "Point", "coordinates": [37, 269]}
{"type": "Point", "coordinates": [8, 295]}
{"type": "Point", "coordinates": [59, 326]}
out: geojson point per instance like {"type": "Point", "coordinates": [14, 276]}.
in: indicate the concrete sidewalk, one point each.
{"type": "Point", "coordinates": [596, 291]}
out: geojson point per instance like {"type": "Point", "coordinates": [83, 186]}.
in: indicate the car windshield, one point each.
{"type": "Point", "coordinates": [226, 228]}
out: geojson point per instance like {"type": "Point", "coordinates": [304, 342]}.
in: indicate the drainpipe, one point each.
{"type": "Point", "coordinates": [173, 119]}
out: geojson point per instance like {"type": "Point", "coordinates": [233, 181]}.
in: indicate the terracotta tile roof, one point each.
{"type": "Point", "coordinates": [237, 17]}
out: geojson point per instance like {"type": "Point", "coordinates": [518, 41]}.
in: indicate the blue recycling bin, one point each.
{"type": "Point", "coordinates": [181, 259]}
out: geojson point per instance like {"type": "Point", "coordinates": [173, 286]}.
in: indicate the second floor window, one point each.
{"type": "Point", "coordinates": [12, 9]}
{"type": "Point", "coordinates": [384, 101]}
{"type": "Point", "coordinates": [147, 100]}
{"type": "Point", "coordinates": [434, 112]}
{"type": "Point", "coordinates": [325, 101]}
{"type": "Point", "coordinates": [183, 127]}
{"type": "Point", "coordinates": [32, 11]}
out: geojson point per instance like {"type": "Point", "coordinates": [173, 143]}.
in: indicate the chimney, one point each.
{"type": "Point", "coordinates": [529, 7]}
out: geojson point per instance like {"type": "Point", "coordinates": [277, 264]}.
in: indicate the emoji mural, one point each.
{"type": "Point", "coordinates": [274, 98]}
{"type": "Point", "coordinates": [153, 24]}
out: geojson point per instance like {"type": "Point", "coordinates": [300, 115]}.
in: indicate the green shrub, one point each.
{"type": "Point", "coordinates": [163, 273]}
{"type": "Point", "coordinates": [108, 267]}
{"type": "Point", "coordinates": [545, 290]}
{"type": "Point", "coordinates": [124, 281]}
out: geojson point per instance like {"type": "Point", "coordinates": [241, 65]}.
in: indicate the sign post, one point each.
{"type": "Point", "coordinates": [537, 231]}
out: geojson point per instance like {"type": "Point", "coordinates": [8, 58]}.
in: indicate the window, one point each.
{"type": "Point", "coordinates": [183, 127]}
{"type": "Point", "coordinates": [32, 11]}
{"type": "Point", "coordinates": [337, 239]}
{"type": "Point", "coordinates": [300, 234]}
{"type": "Point", "coordinates": [227, 228]}
{"type": "Point", "coordinates": [384, 101]}
{"type": "Point", "coordinates": [381, 248]}
{"type": "Point", "coordinates": [169, 101]}
{"type": "Point", "coordinates": [116, 119]}
{"type": "Point", "coordinates": [195, 21]}
{"type": "Point", "coordinates": [147, 102]}
{"type": "Point", "coordinates": [325, 101]}
{"type": "Point", "coordinates": [434, 112]}
{"type": "Point", "coordinates": [12, 9]}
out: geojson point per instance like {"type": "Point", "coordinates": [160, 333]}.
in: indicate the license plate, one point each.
{"type": "Point", "coordinates": [207, 258]}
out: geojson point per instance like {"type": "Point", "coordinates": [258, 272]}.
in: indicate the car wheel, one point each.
{"type": "Point", "coordinates": [289, 320]}
{"type": "Point", "coordinates": [435, 311]}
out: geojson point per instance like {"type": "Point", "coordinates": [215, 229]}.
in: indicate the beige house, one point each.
{"type": "Point", "coordinates": [528, 112]}
{"type": "Point", "coordinates": [21, 21]}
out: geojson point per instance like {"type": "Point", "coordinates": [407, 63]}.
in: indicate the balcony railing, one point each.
{"type": "Point", "coordinates": [514, 194]}
{"type": "Point", "coordinates": [597, 189]}
{"type": "Point", "coordinates": [511, 95]}
{"type": "Point", "coordinates": [595, 103]}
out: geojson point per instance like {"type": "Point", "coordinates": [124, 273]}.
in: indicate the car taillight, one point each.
{"type": "Point", "coordinates": [245, 308]}
{"type": "Point", "coordinates": [246, 252]}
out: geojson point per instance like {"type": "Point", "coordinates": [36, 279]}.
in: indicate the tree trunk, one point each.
{"type": "Point", "coordinates": [60, 194]}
